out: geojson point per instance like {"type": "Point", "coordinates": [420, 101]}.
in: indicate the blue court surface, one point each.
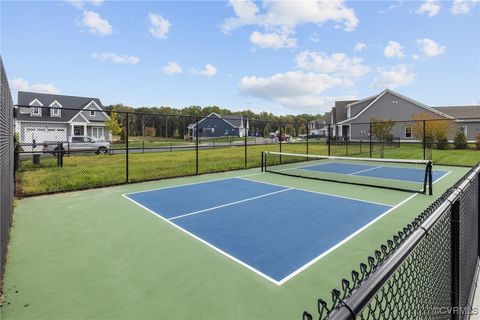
{"type": "Point", "coordinates": [375, 171]}
{"type": "Point", "coordinates": [273, 230]}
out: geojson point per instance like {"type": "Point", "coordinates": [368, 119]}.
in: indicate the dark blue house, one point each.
{"type": "Point", "coordinates": [215, 126]}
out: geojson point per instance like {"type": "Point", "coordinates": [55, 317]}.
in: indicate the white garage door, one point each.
{"type": "Point", "coordinates": [45, 134]}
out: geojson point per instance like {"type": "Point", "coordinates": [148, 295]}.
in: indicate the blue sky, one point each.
{"type": "Point", "coordinates": [277, 56]}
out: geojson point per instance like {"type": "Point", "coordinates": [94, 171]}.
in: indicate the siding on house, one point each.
{"type": "Point", "coordinates": [388, 106]}
{"type": "Point", "coordinates": [467, 116]}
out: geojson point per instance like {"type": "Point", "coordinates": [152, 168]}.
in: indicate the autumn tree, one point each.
{"type": "Point", "coordinates": [112, 124]}
{"type": "Point", "coordinates": [382, 131]}
{"type": "Point", "coordinates": [436, 130]}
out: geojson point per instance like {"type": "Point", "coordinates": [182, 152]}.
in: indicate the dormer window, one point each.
{"type": "Point", "coordinates": [348, 112]}
{"type": "Point", "coordinates": [55, 109]}
{"type": "Point", "coordinates": [92, 113]}
{"type": "Point", "coordinates": [35, 110]}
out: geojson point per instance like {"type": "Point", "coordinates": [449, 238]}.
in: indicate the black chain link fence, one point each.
{"type": "Point", "coordinates": [6, 166]}
{"type": "Point", "coordinates": [428, 270]}
{"type": "Point", "coordinates": [63, 148]}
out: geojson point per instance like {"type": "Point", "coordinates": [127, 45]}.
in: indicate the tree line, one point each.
{"type": "Point", "coordinates": [170, 122]}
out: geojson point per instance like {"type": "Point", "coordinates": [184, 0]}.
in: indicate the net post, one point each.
{"type": "Point", "coordinates": [308, 131]}
{"type": "Point", "coordinates": [262, 162]}
{"type": "Point", "coordinates": [280, 140]}
{"type": "Point", "coordinates": [455, 259]}
{"type": "Point", "coordinates": [196, 145]}
{"type": "Point", "coordinates": [265, 161]}
{"type": "Point", "coordinates": [245, 122]}
{"type": "Point", "coordinates": [126, 149]}
{"type": "Point", "coordinates": [370, 138]}
{"type": "Point", "coordinates": [430, 182]}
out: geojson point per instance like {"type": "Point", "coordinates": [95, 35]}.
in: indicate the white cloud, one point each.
{"type": "Point", "coordinates": [396, 76]}
{"type": "Point", "coordinates": [246, 13]}
{"type": "Point", "coordinates": [208, 71]}
{"type": "Point", "coordinates": [159, 26]}
{"type": "Point", "coordinates": [430, 48]}
{"type": "Point", "coordinates": [463, 6]}
{"type": "Point", "coordinates": [294, 89]}
{"type": "Point", "coordinates": [79, 4]}
{"type": "Point", "coordinates": [272, 40]}
{"type": "Point", "coordinates": [172, 68]}
{"type": "Point", "coordinates": [393, 49]}
{"type": "Point", "coordinates": [115, 58]}
{"type": "Point", "coordinates": [415, 57]}
{"type": "Point", "coordinates": [96, 24]}
{"type": "Point", "coordinates": [360, 46]}
{"type": "Point", "coordinates": [429, 7]}
{"type": "Point", "coordinates": [282, 17]}
{"type": "Point", "coordinates": [337, 63]}
{"type": "Point", "coordinates": [20, 84]}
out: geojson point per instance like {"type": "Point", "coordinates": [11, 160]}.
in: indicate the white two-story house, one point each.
{"type": "Point", "coordinates": [51, 117]}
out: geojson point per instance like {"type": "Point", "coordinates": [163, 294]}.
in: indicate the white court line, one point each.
{"type": "Point", "coordinates": [308, 264]}
{"type": "Point", "coordinates": [194, 183]}
{"type": "Point", "coordinates": [207, 243]}
{"type": "Point", "coordinates": [365, 170]}
{"type": "Point", "coordinates": [326, 194]}
{"type": "Point", "coordinates": [228, 204]}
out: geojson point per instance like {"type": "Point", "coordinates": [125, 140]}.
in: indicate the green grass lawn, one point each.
{"type": "Point", "coordinates": [87, 171]}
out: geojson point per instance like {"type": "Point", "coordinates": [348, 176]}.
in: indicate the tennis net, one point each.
{"type": "Point", "coordinates": [396, 174]}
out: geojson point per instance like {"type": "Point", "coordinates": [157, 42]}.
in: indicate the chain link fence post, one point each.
{"type": "Point", "coordinates": [126, 148]}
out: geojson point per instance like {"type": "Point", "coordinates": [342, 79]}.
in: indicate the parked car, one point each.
{"type": "Point", "coordinates": [77, 143]}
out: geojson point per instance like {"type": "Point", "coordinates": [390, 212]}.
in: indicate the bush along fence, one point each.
{"type": "Point", "coordinates": [63, 149]}
{"type": "Point", "coordinates": [428, 270]}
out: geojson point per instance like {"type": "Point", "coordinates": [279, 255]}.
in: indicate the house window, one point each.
{"type": "Point", "coordinates": [36, 111]}
{"type": "Point", "coordinates": [348, 112]}
{"type": "Point", "coordinates": [55, 112]}
{"type": "Point", "coordinates": [78, 130]}
{"type": "Point", "coordinates": [464, 129]}
{"type": "Point", "coordinates": [92, 113]}
{"type": "Point", "coordinates": [97, 132]}
{"type": "Point", "coordinates": [408, 132]}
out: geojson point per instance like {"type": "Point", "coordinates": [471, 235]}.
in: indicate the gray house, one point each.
{"type": "Point", "coordinates": [65, 116]}
{"type": "Point", "coordinates": [350, 118]}
{"type": "Point", "coordinates": [214, 126]}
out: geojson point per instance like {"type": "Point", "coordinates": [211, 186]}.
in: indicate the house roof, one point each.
{"type": "Point", "coordinates": [234, 120]}
{"type": "Point", "coordinates": [460, 112]}
{"type": "Point", "coordinates": [374, 99]}
{"type": "Point", "coordinates": [327, 117]}
{"type": "Point", "coordinates": [70, 102]}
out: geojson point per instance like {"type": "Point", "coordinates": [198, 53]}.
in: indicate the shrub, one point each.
{"type": "Point", "coordinates": [149, 132]}
{"type": "Point", "coordinates": [460, 140]}
{"type": "Point", "coordinates": [441, 143]}
{"type": "Point", "coordinates": [477, 143]}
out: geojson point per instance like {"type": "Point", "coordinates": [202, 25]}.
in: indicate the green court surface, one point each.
{"type": "Point", "coordinates": [96, 255]}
